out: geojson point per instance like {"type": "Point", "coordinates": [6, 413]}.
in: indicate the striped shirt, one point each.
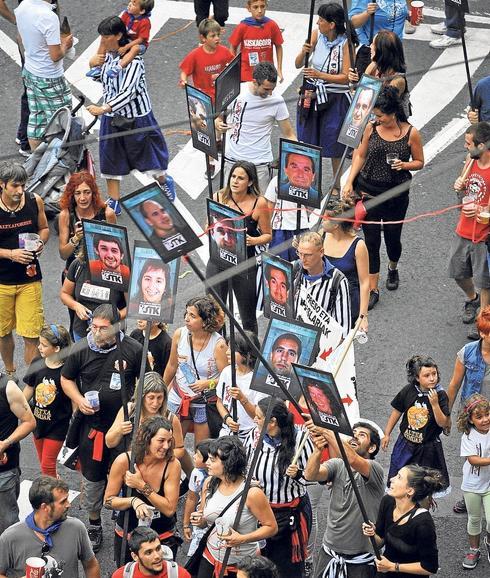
{"type": "Point", "coordinates": [321, 288]}
{"type": "Point", "coordinates": [126, 94]}
{"type": "Point", "coordinates": [266, 471]}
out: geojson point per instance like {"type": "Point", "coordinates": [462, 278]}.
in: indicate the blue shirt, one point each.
{"type": "Point", "coordinates": [390, 15]}
{"type": "Point", "coordinates": [482, 98]}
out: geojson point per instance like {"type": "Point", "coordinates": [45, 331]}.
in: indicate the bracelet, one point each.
{"type": "Point", "coordinates": [212, 384]}
{"type": "Point", "coordinates": [147, 490]}
{"type": "Point", "coordinates": [72, 242]}
{"type": "Point", "coordinates": [397, 567]}
{"type": "Point", "coordinates": [187, 527]}
{"type": "Point", "coordinates": [132, 501]}
{"type": "Point", "coordinates": [226, 417]}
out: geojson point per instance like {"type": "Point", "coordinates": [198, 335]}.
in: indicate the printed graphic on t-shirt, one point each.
{"type": "Point", "coordinates": [45, 395]}
{"type": "Point", "coordinates": [418, 417]}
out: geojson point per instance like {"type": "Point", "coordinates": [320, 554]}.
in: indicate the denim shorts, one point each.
{"type": "Point", "coordinates": [197, 411]}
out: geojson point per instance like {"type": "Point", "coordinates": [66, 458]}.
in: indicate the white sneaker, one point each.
{"type": "Point", "coordinates": [444, 42]}
{"type": "Point", "coordinates": [440, 28]}
{"type": "Point", "coordinates": [409, 27]}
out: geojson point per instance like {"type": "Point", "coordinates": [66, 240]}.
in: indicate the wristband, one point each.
{"type": "Point", "coordinates": [187, 527]}
{"type": "Point", "coordinates": [74, 243]}
{"type": "Point", "coordinates": [226, 417]}
{"type": "Point", "coordinates": [212, 384]}
{"type": "Point", "coordinates": [397, 567]}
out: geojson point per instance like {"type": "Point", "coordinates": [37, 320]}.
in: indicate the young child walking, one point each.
{"type": "Point", "coordinates": [474, 424]}
{"type": "Point", "coordinates": [136, 18]}
{"type": "Point", "coordinates": [255, 38]}
{"type": "Point", "coordinates": [424, 409]}
{"type": "Point", "coordinates": [193, 534]}
{"type": "Point", "coordinates": [51, 407]}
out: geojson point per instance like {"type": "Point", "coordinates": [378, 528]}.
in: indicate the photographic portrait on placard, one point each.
{"type": "Point", "coordinates": [277, 275]}
{"type": "Point", "coordinates": [228, 84]}
{"type": "Point", "coordinates": [227, 234]}
{"type": "Point", "coordinates": [300, 173]}
{"type": "Point", "coordinates": [107, 250]}
{"type": "Point", "coordinates": [201, 119]}
{"type": "Point", "coordinates": [160, 222]}
{"type": "Point", "coordinates": [323, 399]}
{"type": "Point", "coordinates": [360, 110]}
{"type": "Point", "coordinates": [286, 342]}
{"type": "Point", "coordinates": [153, 285]}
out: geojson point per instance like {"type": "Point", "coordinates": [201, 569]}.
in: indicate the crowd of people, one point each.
{"type": "Point", "coordinates": [89, 392]}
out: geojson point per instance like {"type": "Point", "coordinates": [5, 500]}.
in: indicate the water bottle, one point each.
{"type": "Point", "coordinates": [361, 337]}
{"type": "Point", "coordinates": [187, 372]}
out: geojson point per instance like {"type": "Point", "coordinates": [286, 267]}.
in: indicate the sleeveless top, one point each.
{"type": "Point", "coordinates": [251, 224]}
{"type": "Point", "coordinates": [160, 522]}
{"type": "Point", "coordinates": [205, 364]}
{"type": "Point", "coordinates": [347, 264]}
{"type": "Point", "coordinates": [329, 57]}
{"type": "Point", "coordinates": [248, 523]}
{"type": "Point", "coordinates": [23, 221]}
{"type": "Point", "coordinates": [8, 424]}
{"type": "Point", "coordinates": [377, 175]}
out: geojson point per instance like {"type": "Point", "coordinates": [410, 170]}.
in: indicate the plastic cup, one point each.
{"type": "Point", "coordinates": [71, 53]}
{"type": "Point", "coordinates": [147, 521]}
{"type": "Point", "coordinates": [391, 158]}
{"type": "Point", "coordinates": [92, 398]}
{"type": "Point", "coordinates": [468, 203]}
{"type": "Point", "coordinates": [416, 11]}
{"type": "Point", "coordinates": [483, 215]}
{"type": "Point", "coordinates": [29, 241]}
{"type": "Point", "coordinates": [35, 567]}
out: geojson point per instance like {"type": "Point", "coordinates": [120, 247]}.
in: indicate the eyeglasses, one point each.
{"type": "Point", "coordinates": [304, 255]}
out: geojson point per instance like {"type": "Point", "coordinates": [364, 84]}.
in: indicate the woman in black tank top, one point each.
{"type": "Point", "coordinates": [389, 150]}
{"type": "Point", "coordinates": [154, 485]}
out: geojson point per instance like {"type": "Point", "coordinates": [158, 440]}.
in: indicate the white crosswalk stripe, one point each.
{"type": "Point", "coordinates": [25, 507]}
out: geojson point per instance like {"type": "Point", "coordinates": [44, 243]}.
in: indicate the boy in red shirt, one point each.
{"type": "Point", "coordinates": [256, 36]}
{"type": "Point", "coordinates": [136, 18]}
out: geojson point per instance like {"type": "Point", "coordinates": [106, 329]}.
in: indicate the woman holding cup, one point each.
{"type": "Point", "coordinates": [390, 148]}
{"type": "Point", "coordinates": [227, 463]}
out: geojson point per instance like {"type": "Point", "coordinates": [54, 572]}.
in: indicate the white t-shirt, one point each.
{"type": "Point", "coordinates": [252, 118]}
{"type": "Point", "coordinates": [39, 28]}
{"type": "Point", "coordinates": [283, 217]}
{"type": "Point", "coordinates": [223, 392]}
{"type": "Point", "coordinates": [476, 479]}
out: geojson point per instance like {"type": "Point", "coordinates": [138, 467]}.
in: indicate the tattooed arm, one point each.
{"type": "Point", "coordinates": [20, 408]}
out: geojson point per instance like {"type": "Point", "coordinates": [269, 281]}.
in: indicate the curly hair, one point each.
{"type": "Point", "coordinates": [475, 402]}
{"type": "Point", "coordinates": [209, 311]}
{"type": "Point", "coordinates": [146, 432]}
{"type": "Point", "coordinates": [285, 422]}
{"type": "Point", "coordinates": [67, 200]}
{"type": "Point", "coordinates": [389, 102]}
{"type": "Point", "coordinates": [414, 366]}
{"type": "Point", "coordinates": [336, 209]}
{"type": "Point", "coordinates": [230, 451]}
{"type": "Point", "coordinates": [483, 320]}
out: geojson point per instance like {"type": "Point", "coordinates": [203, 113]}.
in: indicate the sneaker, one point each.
{"type": "Point", "coordinates": [473, 335]}
{"type": "Point", "coordinates": [487, 546]}
{"type": "Point", "coordinates": [94, 72]}
{"type": "Point", "coordinates": [115, 205]}
{"type": "Point", "coordinates": [471, 559]}
{"type": "Point", "coordinates": [25, 152]}
{"type": "Point", "coordinates": [373, 299]}
{"type": "Point", "coordinates": [439, 29]}
{"type": "Point", "coordinates": [459, 507]}
{"type": "Point", "coordinates": [409, 27]}
{"type": "Point", "coordinates": [17, 140]}
{"type": "Point", "coordinates": [393, 280]}
{"type": "Point", "coordinates": [470, 309]}
{"type": "Point", "coordinates": [95, 537]}
{"type": "Point", "coordinates": [114, 71]}
{"type": "Point", "coordinates": [445, 42]}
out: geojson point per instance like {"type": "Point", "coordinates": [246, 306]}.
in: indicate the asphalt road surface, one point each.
{"type": "Point", "coordinates": [422, 317]}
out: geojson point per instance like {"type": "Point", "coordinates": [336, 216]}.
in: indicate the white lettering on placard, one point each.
{"type": "Point", "coordinates": [149, 309]}
{"type": "Point", "coordinates": [298, 193]}
{"type": "Point", "coordinates": [174, 242]}
{"type": "Point", "coordinates": [228, 257]}
{"type": "Point", "coordinates": [201, 137]}
{"type": "Point", "coordinates": [352, 131]}
{"type": "Point", "coordinates": [271, 381]}
{"type": "Point", "coordinates": [278, 309]}
{"type": "Point", "coordinates": [111, 276]}
{"type": "Point", "coordinates": [328, 418]}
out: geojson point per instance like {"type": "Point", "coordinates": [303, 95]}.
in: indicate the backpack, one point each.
{"type": "Point", "coordinates": [172, 569]}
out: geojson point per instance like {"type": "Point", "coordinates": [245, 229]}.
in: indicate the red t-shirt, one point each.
{"type": "Point", "coordinates": [140, 29]}
{"type": "Point", "coordinates": [256, 45]}
{"type": "Point", "coordinates": [477, 185]}
{"type": "Point", "coordinates": [204, 67]}
{"type": "Point", "coordinates": [119, 573]}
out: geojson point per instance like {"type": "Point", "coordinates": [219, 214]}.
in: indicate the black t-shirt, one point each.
{"type": "Point", "coordinates": [418, 423]}
{"type": "Point", "coordinates": [52, 408]}
{"type": "Point", "coordinates": [97, 371]}
{"type": "Point", "coordinates": [159, 347]}
{"type": "Point", "coordinates": [8, 424]}
{"type": "Point", "coordinates": [89, 294]}
{"type": "Point", "coordinates": [414, 541]}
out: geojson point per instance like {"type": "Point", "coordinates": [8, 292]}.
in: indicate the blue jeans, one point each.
{"type": "Point", "coordinates": [9, 494]}
{"type": "Point", "coordinates": [454, 21]}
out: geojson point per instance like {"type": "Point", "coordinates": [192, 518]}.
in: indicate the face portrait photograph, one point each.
{"type": "Point", "coordinates": [362, 106]}
{"type": "Point", "coordinates": [300, 170]}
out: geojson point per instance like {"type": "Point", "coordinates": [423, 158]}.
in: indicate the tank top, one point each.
{"type": "Point", "coordinates": [23, 221]}
{"type": "Point", "coordinates": [8, 424]}
{"type": "Point", "coordinates": [376, 175]}
{"type": "Point", "coordinates": [329, 57]}
{"type": "Point", "coordinates": [248, 523]}
{"type": "Point", "coordinates": [347, 264]}
{"type": "Point", "coordinates": [205, 364]}
{"type": "Point", "coordinates": [251, 224]}
{"type": "Point", "coordinates": [160, 523]}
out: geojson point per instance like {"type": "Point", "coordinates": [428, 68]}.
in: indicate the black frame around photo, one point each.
{"type": "Point", "coordinates": [334, 417]}
{"type": "Point", "coordinates": [228, 84]}
{"type": "Point", "coordinates": [274, 307]}
{"type": "Point", "coordinates": [148, 264]}
{"type": "Point", "coordinates": [306, 191]}
{"type": "Point", "coordinates": [180, 238]}
{"type": "Point", "coordinates": [201, 120]}
{"type": "Point", "coordinates": [96, 232]}
{"type": "Point", "coordinates": [232, 249]}
{"type": "Point", "coordinates": [304, 338]}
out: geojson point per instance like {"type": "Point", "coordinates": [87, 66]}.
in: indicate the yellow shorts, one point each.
{"type": "Point", "coordinates": [21, 308]}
